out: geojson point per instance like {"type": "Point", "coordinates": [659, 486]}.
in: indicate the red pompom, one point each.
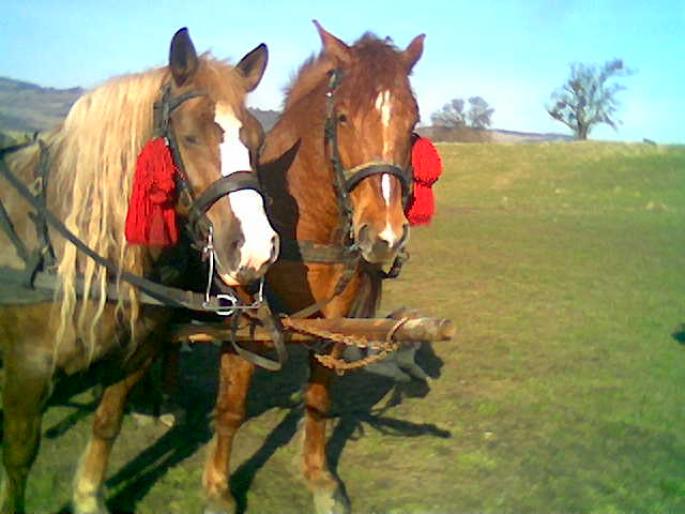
{"type": "Point", "coordinates": [427, 166]}
{"type": "Point", "coordinates": [151, 217]}
{"type": "Point", "coordinates": [421, 206]}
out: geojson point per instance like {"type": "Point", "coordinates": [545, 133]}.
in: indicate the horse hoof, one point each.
{"type": "Point", "coordinates": [98, 508]}
{"type": "Point", "coordinates": [331, 502]}
{"type": "Point", "coordinates": [223, 506]}
{"type": "Point", "coordinates": [89, 504]}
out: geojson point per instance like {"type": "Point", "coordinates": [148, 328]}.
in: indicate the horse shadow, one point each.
{"type": "Point", "coordinates": [356, 410]}
{"type": "Point", "coordinates": [678, 334]}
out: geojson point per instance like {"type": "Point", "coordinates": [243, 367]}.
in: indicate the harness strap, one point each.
{"type": "Point", "coordinates": [47, 253]}
{"type": "Point", "coordinates": [309, 251]}
{"type": "Point", "coordinates": [166, 295]}
{"type": "Point", "coordinates": [8, 228]}
{"type": "Point", "coordinates": [273, 324]}
{"type": "Point", "coordinates": [351, 266]}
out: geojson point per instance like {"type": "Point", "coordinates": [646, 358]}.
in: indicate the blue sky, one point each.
{"type": "Point", "coordinates": [512, 53]}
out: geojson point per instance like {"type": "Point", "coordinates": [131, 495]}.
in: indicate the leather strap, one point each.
{"type": "Point", "coordinates": [237, 181]}
{"type": "Point", "coordinates": [166, 295]}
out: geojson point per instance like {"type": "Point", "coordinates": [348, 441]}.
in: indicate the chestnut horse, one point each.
{"type": "Point", "coordinates": [333, 168]}
{"type": "Point", "coordinates": [199, 107]}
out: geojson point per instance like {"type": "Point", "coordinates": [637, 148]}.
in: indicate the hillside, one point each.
{"type": "Point", "coordinates": [26, 107]}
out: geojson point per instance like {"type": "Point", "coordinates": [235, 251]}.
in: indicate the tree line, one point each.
{"type": "Point", "coordinates": [585, 100]}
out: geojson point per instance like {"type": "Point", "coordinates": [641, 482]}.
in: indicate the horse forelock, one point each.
{"type": "Point", "coordinates": [377, 65]}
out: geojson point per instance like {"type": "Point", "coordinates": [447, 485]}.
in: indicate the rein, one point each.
{"type": "Point", "coordinates": [347, 251]}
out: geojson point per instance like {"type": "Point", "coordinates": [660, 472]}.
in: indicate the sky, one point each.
{"type": "Point", "coordinates": [512, 53]}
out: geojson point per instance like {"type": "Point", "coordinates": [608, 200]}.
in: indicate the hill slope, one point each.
{"type": "Point", "coordinates": [26, 107]}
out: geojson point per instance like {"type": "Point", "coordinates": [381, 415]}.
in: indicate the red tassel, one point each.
{"type": "Point", "coordinates": [421, 205]}
{"type": "Point", "coordinates": [151, 217]}
{"type": "Point", "coordinates": [427, 166]}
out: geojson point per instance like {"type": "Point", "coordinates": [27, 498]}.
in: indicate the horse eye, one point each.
{"type": "Point", "coordinates": [190, 139]}
{"type": "Point", "coordinates": [342, 119]}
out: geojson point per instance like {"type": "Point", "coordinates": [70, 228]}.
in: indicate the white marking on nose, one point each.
{"type": "Point", "coordinates": [247, 205]}
{"type": "Point", "coordinates": [388, 235]}
{"type": "Point", "coordinates": [386, 187]}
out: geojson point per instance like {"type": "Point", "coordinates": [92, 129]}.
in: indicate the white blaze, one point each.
{"type": "Point", "coordinates": [386, 187]}
{"type": "Point", "coordinates": [384, 107]}
{"type": "Point", "coordinates": [247, 205]}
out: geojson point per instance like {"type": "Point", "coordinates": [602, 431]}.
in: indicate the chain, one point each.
{"type": "Point", "coordinates": [341, 366]}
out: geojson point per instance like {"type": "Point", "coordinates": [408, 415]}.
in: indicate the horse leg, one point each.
{"type": "Point", "coordinates": [329, 497]}
{"type": "Point", "coordinates": [26, 390]}
{"type": "Point", "coordinates": [88, 494]}
{"type": "Point", "coordinates": [235, 376]}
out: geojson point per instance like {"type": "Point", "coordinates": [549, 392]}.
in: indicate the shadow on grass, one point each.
{"type": "Point", "coordinates": [679, 334]}
{"type": "Point", "coordinates": [356, 410]}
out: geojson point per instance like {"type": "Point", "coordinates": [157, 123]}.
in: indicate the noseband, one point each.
{"type": "Point", "coordinates": [347, 179]}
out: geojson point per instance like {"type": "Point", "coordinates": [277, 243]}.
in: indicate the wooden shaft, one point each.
{"type": "Point", "coordinates": [413, 329]}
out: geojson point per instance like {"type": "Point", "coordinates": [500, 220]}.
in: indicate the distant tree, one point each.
{"type": "Point", "coordinates": [588, 98]}
{"type": "Point", "coordinates": [479, 113]}
{"type": "Point", "coordinates": [453, 115]}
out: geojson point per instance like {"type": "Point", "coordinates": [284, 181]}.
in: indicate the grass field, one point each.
{"type": "Point", "coordinates": [563, 268]}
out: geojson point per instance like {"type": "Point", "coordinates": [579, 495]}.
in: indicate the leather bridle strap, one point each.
{"type": "Point", "coordinates": [236, 181]}
{"type": "Point", "coordinates": [355, 175]}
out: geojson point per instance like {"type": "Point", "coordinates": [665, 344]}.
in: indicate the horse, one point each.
{"type": "Point", "coordinates": [207, 145]}
{"type": "Point", "coordinates": [334, 169]}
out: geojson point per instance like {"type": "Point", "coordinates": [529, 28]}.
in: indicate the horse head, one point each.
{"type": "Point", "coordinates": [218, 140]}
{"type": "Point", "coordinates": [372, 113]}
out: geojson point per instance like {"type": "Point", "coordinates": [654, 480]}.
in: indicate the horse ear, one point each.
{"type": "Point", "coordinates": [333, 46]}
{"type": "Point", "coordinates": [183, 60]}
{"type": "Point", "coordinates": [413, 52]}
{"type": "Point", "coordinates": [252, 66]}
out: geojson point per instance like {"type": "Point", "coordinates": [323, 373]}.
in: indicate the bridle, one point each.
{"type": "Point", "coordinates": [198, 224]}
{"type": "Point", "coordinates": [226, 303]}
{"type": "Point", "coordinates": [347, 251]}
{"type": "Point", "coordinates": [347, 179]}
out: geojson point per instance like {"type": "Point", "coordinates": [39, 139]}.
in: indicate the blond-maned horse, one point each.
{"type": "Point", "coordinates": [91, 162]}
{"type": "Point", "coordinates": [347, 124]}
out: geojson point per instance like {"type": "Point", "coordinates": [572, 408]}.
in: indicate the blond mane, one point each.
{"type": "Point", "coordinates": [93, 160]}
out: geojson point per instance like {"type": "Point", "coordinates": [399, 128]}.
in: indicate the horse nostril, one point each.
{"type": "Point", "coordinates": [405, 234]}
{"type": "Point", "coordinates": [363, 233]}
{"type": "Point", "coordinates": [235, 245]}
{"type": "Point", "coordinates": [275, 246]}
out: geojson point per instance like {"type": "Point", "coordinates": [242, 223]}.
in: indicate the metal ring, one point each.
{"type": "Point", "coordinates": [233, 302]}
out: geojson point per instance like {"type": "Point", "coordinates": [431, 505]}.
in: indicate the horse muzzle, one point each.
{"type": "Point", "coordinates": [380, 247]}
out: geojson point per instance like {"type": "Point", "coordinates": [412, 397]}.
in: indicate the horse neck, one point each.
{"type": "Point", "coordinates": [298, 174]}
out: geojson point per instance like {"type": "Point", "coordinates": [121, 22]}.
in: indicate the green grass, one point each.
{"type": "Point", "coordinates": [563, 268]}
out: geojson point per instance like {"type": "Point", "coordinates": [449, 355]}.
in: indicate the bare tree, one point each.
{"type": "Point", "coordinates": [588, 98]}
{"type": "Point", "coordinates": [479, 113]}
{"type": "Point", "coordinates": [451, 115]}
